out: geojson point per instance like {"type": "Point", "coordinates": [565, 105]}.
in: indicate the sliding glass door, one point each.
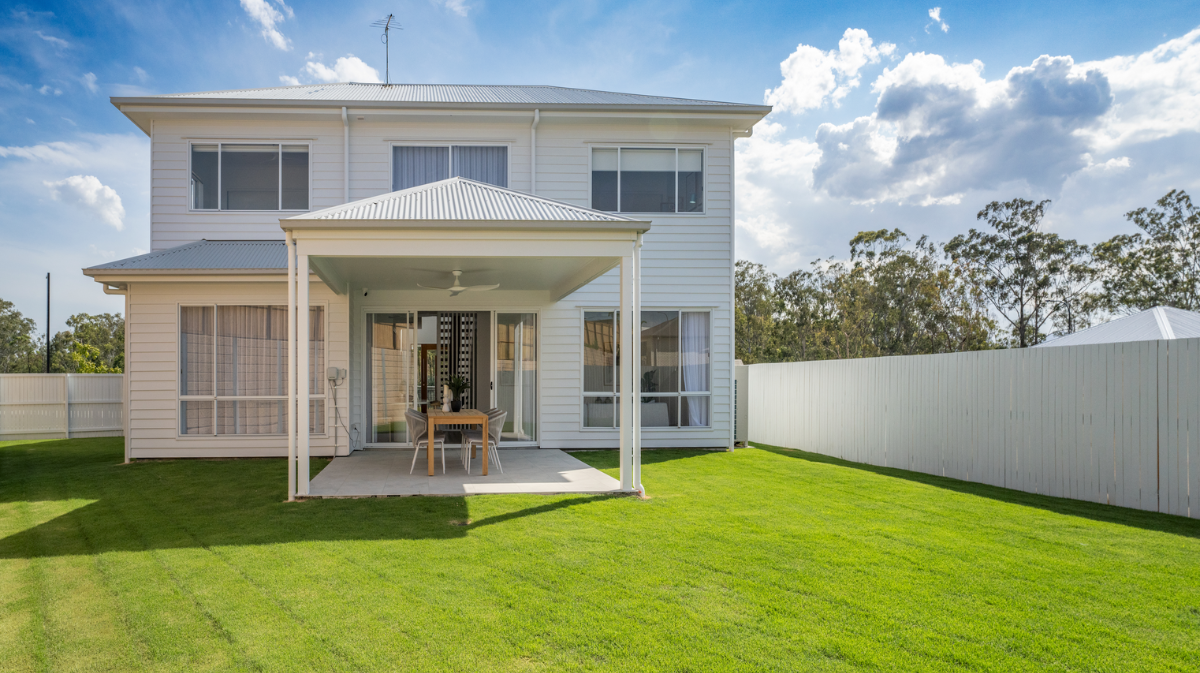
{"type": "Point", "coordinates": [516, 375]}
{"type": "Point", "coordinates": [406, 368]}
{"type": "Point", "coordinates": [392, 376]}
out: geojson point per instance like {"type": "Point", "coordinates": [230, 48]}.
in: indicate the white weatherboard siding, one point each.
{"type": "Point", "coordinates": [153, 338]}
{"type": "Point", "coordinates": [686, 258]}
{"type": "Point", "coordinates": [1109, 423]}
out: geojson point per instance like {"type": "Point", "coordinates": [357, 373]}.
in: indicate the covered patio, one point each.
{"type": "Point", "coordinates": [524, 243]}
{"type": "Point", "coordinates": [386, 472]}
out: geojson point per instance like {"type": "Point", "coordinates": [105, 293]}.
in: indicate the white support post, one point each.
{"type": "Point", "coordinates": [302, 377]}
{"type": "Point", "coordinates": [291, 359]}
{"type": "Point", "coordinates": [637, 360]}
{"type": "Point", "coordinates": [628, 396]}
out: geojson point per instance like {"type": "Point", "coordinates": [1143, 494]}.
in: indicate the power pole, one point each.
{"type": "Point", "coordinates": [47, 322]}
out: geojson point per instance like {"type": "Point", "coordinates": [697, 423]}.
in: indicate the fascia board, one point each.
{"type": "Point", "coordinates": [483, 225]}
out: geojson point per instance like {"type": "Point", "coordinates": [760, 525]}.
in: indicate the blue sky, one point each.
{"type": "Point", "coordinates": [904, 121]}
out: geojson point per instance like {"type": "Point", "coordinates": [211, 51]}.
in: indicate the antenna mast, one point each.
{"type": "Point", "coordinates": [386, 24]}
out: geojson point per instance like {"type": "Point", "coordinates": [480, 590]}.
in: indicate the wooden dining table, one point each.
{"type": "Point", "coordinates": [464, 417]}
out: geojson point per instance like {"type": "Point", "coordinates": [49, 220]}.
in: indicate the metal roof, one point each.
{"type": "Point", "coordinates": [1160, 322]}
{"type": "Point", "coordinates": [204, 256]}
{"type": "Point", "coordinates": [453, 94]}
{"type": "Point", "coordinates": [460, 200]}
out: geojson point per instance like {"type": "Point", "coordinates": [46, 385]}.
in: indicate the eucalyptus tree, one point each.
{"type": "Point", "coordinates": [1160, 265]}
{"type": "Point", "coordinates": [1030, 278]}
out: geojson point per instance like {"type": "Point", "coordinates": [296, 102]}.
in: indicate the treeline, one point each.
{"type": "Point", "coordinates": [93, 344]}
{"type": "Point", "coordinates": [1007, 284]}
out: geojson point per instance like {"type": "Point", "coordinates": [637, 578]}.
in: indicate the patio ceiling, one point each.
{"type": "Point", "coordinates": [557, 275]}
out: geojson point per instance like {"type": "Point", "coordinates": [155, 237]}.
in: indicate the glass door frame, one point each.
{"type": "Point", "coordinates": [364, 315]}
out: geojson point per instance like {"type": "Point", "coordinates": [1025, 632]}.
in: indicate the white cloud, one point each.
{"type": "Point", "coordinates": [811, 76]}
{"type": "Point", "coordinates": [58, 42]}
{"type": "Point", "coordinates": [142, 75]}
{"type": "Point", "coordinates": [1099, 138]}
{"type": "Point", "coordinates": [89, 80]}
{"type": "Point", "coordinates": [29, 121]}
{"type": "Point", "coordinates": [87, 192]}
{"type": "Point", "coordinates": [941, 129]}
{"type": "Point", "coordinates": [46, 89]}
{"type": "Point", "coordinates": [459, 7]}
{"type": "Point", "coordinates": [57, 153]}
{"type": "Point", "coordinates": [348, 68]}
{"type": "Point", "coordinates": [936, 15]}
{"type": "Point", "coordinates": [267, 17]}
{"type": "Point", "coordinates": [288, 80]}
{"type": "Point", "coordinates": [1156, 93]}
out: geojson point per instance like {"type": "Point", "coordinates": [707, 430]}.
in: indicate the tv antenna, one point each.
{"type": "Point", "coordinates": [386, 24]}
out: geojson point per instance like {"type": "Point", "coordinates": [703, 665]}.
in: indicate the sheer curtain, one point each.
{"type": "Point", "coordinates": [695, 361]}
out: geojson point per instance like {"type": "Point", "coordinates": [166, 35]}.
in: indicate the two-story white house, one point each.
{"type": "Point", "coordinates": [559, 210]}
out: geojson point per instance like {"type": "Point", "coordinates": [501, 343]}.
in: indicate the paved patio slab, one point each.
{"type": "Point", "coordinates": [382, 472]}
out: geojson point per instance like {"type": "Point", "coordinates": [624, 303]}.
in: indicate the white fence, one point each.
{"type": "Point", "coordinates": [1112, 423]}
{"type": "Point", "coordinates": [39, 406]}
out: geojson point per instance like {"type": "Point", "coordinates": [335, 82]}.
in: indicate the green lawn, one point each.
{"type": "Point", "coordinates": [754, 560]}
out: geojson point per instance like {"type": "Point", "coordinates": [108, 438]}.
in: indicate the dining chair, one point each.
{"type": "Point", "coordinates": [418, 425]}
{"type": "Point", "coordinates": [470, 438]}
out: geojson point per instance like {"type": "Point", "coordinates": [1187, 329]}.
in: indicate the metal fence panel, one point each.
{"type": "Point", "coordinates": [1109, 423]}
{"type": "Point", "coordinates": [48, 406]}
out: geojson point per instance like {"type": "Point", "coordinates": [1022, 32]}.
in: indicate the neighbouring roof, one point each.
{"type": "Point", "coordinates": [484, 95]}
{"type": "Point", "coordinates": [465, 202]}
{"type": "Point", "coordinates": [1160, 322]}
{"type": "Point", "coordinates": [203, 257]}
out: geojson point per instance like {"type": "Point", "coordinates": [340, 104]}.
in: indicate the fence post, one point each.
{"type": "Point", "coordinates": [67, 406]}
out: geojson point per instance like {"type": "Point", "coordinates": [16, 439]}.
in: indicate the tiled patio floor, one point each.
{"type": "Point", "coordinates": [377, 472]}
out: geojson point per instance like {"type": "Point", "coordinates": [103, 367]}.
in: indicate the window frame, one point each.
{"type": "Point", "coordinates": [679, 393]}
{"type": "Point", "coordinates": [215, 398]}
{"type": "Point", "coordinates": [449, 145]}
{"type": "Point", "coordinates": [244, 141]}
{"type": "Point", "coordinates": [651, 146]}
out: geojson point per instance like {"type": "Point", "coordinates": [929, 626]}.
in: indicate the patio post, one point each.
{"type": "Point", "coordinates": [302, 374]}
{"type": "Point", "coordinates": [637, 360]}
{"type": "Point", "coordinates": [625, 355]}
{"type": "Point", "coordinates": [291, 358]}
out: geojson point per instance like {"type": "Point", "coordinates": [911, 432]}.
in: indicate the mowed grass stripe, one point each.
{"type": "Point", "coordinates": [752, 560]}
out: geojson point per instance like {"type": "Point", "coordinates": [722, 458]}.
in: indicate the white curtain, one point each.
{"type": "Point", "coordinates": [695, 361]}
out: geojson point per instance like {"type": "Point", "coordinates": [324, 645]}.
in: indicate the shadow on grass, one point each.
{"type": "Point", "coordinates": [611, 459]}
{"type": "Point", "coordinates": [1164, 523]}
{"type": "Point", "coordinates": [83, 500]}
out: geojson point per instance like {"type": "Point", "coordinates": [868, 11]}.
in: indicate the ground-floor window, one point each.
{"type": "Point", "coordinates": [674, 374]}
{"type": "Point", "coordinates": [233, 370]}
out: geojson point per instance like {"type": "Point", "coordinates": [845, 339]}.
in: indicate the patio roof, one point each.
{"type": "Point", "coordinates": [462, 203]}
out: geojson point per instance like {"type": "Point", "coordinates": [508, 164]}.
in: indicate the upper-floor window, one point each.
{"type": "Point", "coordinates": [413, 166]}
{"type": "Point", "coordinates": [239, 176]}
{"type": "Point", "coordinates": [646, 180]}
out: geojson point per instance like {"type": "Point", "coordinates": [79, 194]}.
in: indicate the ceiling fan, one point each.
{"type": "Point", "coordinates": [458, 288]}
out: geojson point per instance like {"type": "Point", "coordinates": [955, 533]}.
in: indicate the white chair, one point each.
{"type": "Point", "coordinates": [470, 438]}
{"type": "Point", "coordinates": [418, 424]}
